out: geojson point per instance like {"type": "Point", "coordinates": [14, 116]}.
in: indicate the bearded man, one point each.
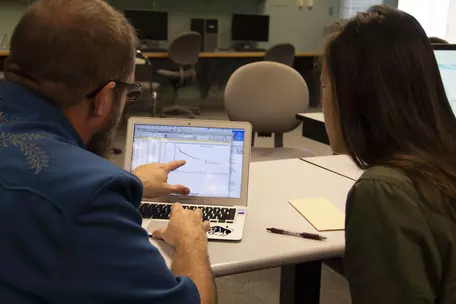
{"type": "Point", "coordinates": [70, 228]}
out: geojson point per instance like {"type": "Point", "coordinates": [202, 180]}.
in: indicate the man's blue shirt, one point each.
{"type": "Point", "coordinates": [70, 230]}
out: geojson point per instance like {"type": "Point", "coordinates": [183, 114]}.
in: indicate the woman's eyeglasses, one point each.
{"type": "Point", "coordinates": [133, 89]}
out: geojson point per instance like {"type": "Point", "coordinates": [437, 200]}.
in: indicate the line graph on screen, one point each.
{"type": "Point", "coordinates": [204, 159]}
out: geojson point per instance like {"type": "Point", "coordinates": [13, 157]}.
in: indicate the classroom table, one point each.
{"type": "Point", "coordinates": [217, 67]}
{"type": "Point", "coordinates": [271, 185]}
{"type": "Point", "coordinates": [338, 164]}
{"type": "Point", "coordinates": [223, 54]}
{"type": "Point", "coordinates": [229, 54]}
{"type": "Point", "coordinates": [313, 126]}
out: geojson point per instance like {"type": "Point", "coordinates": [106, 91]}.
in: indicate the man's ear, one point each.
{"type": "Point", "coordinates": [102, 103]}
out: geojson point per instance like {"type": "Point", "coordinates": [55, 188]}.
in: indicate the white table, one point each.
{"type": "Point", "coordinates": [272, 185]}
{"type": "Point", "coordinates": [339, 164]}
{"type": "Point", "coordinates": [315, 116]}
{"type": "Point", "coordinates": [313, 126]}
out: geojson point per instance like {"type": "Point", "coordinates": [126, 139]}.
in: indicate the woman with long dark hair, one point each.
{"type": "Point", "coordinates": [385, 106]}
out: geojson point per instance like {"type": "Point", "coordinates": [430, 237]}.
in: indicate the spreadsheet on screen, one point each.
{"type": "Point", "coordinates": [214, 156]}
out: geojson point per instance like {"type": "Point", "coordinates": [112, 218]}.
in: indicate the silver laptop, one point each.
{"type": "Point", "coordinates": [217, 155]}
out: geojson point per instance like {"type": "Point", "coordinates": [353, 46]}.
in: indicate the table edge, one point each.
{"type": "Point", "coordinates": [296, 257]}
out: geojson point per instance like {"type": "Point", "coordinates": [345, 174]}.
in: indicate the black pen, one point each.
{"type": "Point", "coordinates": [304, 235]}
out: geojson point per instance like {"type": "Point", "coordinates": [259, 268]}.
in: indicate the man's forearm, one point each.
{"type": "Point", "coordinates": [192, 261]}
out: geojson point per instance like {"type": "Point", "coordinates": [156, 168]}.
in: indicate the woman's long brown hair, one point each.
{"type": "Point", "coordinates": [389, 99]}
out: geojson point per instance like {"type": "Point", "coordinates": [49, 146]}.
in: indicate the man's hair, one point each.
{"type": "Point", "coordinates": [72, 47]}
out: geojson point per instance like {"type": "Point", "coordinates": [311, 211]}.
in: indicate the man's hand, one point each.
{"type": "Point", "coordinates": [155, 179]}
{"type": "Point", "coordinates": [184, 226]}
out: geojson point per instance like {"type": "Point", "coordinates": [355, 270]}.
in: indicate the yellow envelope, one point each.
{"type": "Point", "coordinates": [320, 213]}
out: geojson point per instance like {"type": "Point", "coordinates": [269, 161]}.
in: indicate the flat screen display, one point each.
{"type": "Point", "coordinates": [446, 60]}
{"type": "Point", "coordinates": [250, 28]}
{"type": "Point", "coordinates": [149, 25]}
{"type": "Point", "coordinates": [214, 156]}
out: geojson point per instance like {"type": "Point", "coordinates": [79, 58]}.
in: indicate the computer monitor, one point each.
{"type": "Point", "coordinates": [446, 59]}
{"type": "Point", "coordinates": [150, 25]}
{"type": "Point", "coordinates": [250, 28]}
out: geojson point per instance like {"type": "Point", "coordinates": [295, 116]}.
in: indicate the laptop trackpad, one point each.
{"type": "Point", "coordinates": [151, 225]}
{"type": "Point", "coordinates": [166, 250]}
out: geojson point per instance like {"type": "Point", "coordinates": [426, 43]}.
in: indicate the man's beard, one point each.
{"type": "Point", "coordinates": [101, 141]}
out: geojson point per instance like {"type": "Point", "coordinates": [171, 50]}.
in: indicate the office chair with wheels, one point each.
{"type": "Point", "coordinates": [268, 95]}
{"type": "Point", "coordinates": [184, 51]}
{"type": "Point", "coordinates": [282, 53]}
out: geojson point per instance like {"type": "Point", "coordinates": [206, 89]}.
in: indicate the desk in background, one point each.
{"type": "Point", "coordinates": [271, 186]}
{"type": "Point", "coordinates": [339, 164]}
{"type": "Point", "coordinates": [219, 55]}
{"type": "Point", "coordinates": [217, 67]}
{"type": "Point", "coordinates": [313, 126]}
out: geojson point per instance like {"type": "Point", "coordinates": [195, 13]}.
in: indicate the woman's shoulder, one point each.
{"type": "Point", "coordinates": [390, 188]}
{"type": "Point", "coordinates": [388, 191]}
{"type": "Point", "coordinates": [387, 178]}
{"type": "Point", "coordinates": [386, 174]}
{"type": "Point", "coordinates": [388, 230]}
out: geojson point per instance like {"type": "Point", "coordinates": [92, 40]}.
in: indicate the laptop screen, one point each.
{"type": "Point", "coordinates": [447, 65]}
{"type": "Point", "coordinates": [214, 156]}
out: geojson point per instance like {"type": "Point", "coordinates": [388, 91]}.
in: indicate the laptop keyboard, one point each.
{"type": "Point", "coordinates": [211, 214]}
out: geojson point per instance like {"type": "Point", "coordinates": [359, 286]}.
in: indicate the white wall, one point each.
{"type": "Point", "coordinates": [433, 15]}
{"type": "Point", "coordinates": [303, 27]}
{"type": "Point", "coordinates": [10, 12]}
{"type": "Point", "coordinates": [451, 30]}
{"type": "Point", "coordinates": [349, 8]}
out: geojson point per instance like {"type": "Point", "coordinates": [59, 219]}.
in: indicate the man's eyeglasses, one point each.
{"type": "Point", "coordinates": [133, 89]}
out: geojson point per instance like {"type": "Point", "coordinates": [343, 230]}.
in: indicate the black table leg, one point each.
{"type": "Point", "coordinates": [206, 71]}
{"type": "Point", "coordinates": [300, 283]}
